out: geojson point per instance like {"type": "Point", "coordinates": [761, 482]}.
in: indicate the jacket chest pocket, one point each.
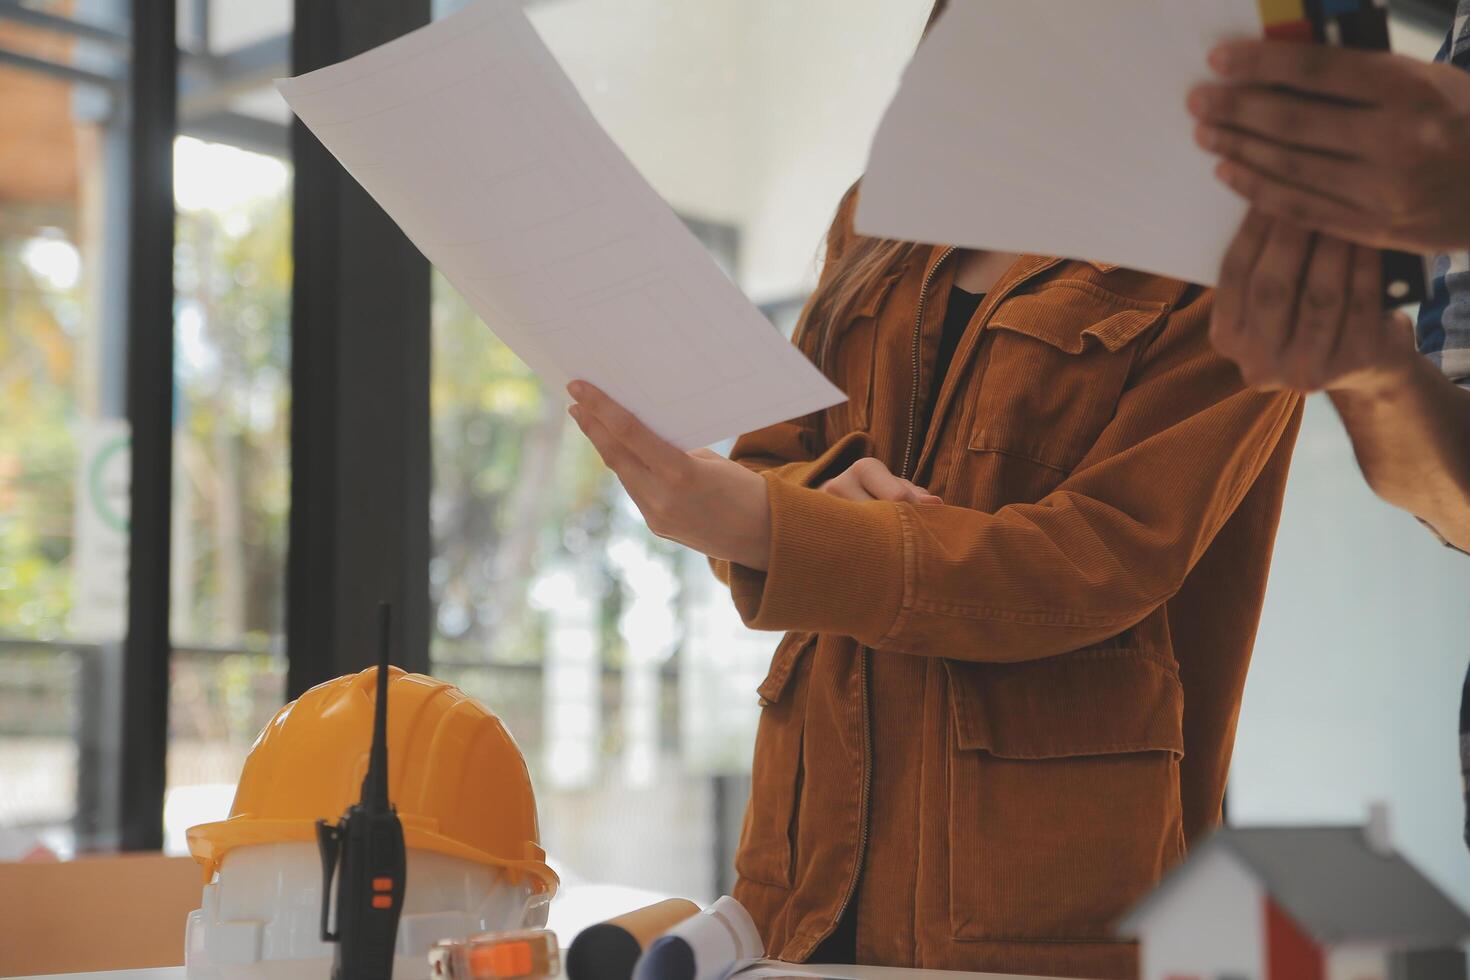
{"type": "Point", "coordinates": [1064, 804]}
{"type": "Point", "coordinates": [1057, 363]}
{"type": "Point", "coordinates": [767, 850]}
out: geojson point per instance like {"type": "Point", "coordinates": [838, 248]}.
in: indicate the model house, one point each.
{"type": "Point", "coordinates": [1299, 903]}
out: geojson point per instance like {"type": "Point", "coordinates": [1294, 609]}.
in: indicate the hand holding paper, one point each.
{"type": "Point", "coordinates": [1365, 145]}
{"type": "Point", "coordinates": [699, 499]}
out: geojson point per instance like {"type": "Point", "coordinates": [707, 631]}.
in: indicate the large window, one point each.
{"type": "Point", "coordinates": [65, 445]}
{"type": "Point", "coordinates": [63, 440]}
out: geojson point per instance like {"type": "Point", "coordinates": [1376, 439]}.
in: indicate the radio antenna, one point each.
{"type": "Point", "coordinates": [375, 783]}
{"type": "Point", "coordinates": [364, 853]}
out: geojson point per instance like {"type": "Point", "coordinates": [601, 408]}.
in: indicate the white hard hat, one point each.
{"type": "Point", "coordinates": [261, 915]}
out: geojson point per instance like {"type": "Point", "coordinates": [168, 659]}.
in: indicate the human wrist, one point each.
{"type": "Point", "coordinates": [1387, 378]}
{"type": "Point", "coordinates": [752, 549]}
{"type": "Point", "coordinates": [758, 549]}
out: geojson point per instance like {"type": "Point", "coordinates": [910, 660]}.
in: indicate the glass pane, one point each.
{"type": "Point", "coordinates": [616, 659]}
{"type": "Point", "coordinates": [231, 492]}
{"type": "Point", "coordinates": [64, 446]}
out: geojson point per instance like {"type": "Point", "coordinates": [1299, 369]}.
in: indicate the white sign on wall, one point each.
{"type": "Point", "coordinates": [99, 557]}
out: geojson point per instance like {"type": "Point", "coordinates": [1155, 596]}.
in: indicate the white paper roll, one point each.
{"type": "Point", "coordinates": [710, 946]}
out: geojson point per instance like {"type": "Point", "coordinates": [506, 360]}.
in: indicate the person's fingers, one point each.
{"type": "Point", "coordinates": [1367, 342]}
{"type": "Point", "coordinates": [1295, 120]}
{"type": "Point", "coordinates": [1342, 73]}
{"type": "Point", "coordinates": [869, 479]}
{"type": "Point", "coordinates": [919, 495]}
{"type": "Point", "coordinates": [1304, 206]}
{"type": "Point", "coordinates": [1306, 361]}
{"type": "Point", "coordinates": [1228, 319]}
{"type": "Point", "coordinates": [618, 457]}
{"type": "Point", "coordinates": [1401, 339]}
{"type": "Point", "coordinates": [846, 486]}
{"type": "Point", "coordinates": [882, 484]}
{"type": "Point", "coordinates": [879, 482]}
{"type": "Point", "coordinates": [1339, 180]}
{"type": "Point", "coordinates": [651, 492]}
{"type": "Point", "coordinates": [1400, 323]}
{"type": "Point", "coordinates": [624, 426]}
{"type": "Point", "coordinates": [1271, 300]}
{"type": "Point", "coordinates": [854, 490]}
{"type": "Point", "coordinates": [1363, 319]}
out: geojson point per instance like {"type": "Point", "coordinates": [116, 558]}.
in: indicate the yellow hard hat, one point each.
{"type": "Point", "coordinates": [456, 776]}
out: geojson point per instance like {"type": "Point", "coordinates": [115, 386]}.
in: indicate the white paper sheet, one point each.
{"type": "Point", "coordinates": [471, 137]}
{"type": "Point", "coordinates": [709, 946]}
{"type": "Point", "coordinates": [1059, 128]}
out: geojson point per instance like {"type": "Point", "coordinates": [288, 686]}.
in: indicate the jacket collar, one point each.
{"type": "Point", "coordinates": [1027, 265]}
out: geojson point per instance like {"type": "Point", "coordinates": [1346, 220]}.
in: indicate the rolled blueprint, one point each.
{"type": "Point", "coordinates": [610, 950]}
{"type": "Point", "coordinates": [709, 946]}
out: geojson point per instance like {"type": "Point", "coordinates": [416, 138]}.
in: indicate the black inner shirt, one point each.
{"type": "Point", "coordinates": [962, 307]}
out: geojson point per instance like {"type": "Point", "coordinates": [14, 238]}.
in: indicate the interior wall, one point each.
{"type": "Point", "coordinates": [757, 113]}
{"type": "Point", "coordinates": [671, 83]}
{"type": "Point", "coordinates": [1354, 691]}
{"type": "Point", "coordinates": [830, 69]}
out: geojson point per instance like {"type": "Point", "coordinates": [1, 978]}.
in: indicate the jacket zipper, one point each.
{"type": "Point", "coordinates": [865, 794]}
{"type": "Point", "coordinates": [915, 349]}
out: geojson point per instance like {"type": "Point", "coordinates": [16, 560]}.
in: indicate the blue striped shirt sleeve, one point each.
{"type": "Point", "coordinates": [1443, 331]}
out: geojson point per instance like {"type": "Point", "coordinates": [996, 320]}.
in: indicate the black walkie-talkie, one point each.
{"type": "Point", "coordinates": [364, 852]}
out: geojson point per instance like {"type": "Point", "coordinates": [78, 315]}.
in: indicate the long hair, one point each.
{"type": "Point", "coordinates": [851, 271]}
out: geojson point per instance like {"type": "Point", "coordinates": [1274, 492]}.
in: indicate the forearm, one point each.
{"type": "Point", "coordinates": [932, 580]}
{"type": "Point", "coordinates": [1030, 580]}
{"type": "Point", "coordinates": [1411, 435]}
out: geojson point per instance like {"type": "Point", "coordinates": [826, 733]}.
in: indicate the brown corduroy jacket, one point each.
{"type": "Point", "coordinates": [993, 724]}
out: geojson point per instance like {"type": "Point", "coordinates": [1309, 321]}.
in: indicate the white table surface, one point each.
{"type": "Point", "coordinates": [764, 971]}
{"type": "Point", "coordinates": [163, 973]}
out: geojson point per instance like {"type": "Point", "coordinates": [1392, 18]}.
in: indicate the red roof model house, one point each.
{"type": "Point", "coordinates": [1299, 903]}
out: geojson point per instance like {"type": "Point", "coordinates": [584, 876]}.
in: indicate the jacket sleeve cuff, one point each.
{"type": "Point", "coordinates": [836, 566]}
{"type": "Point", "coordinates": [807, 473]}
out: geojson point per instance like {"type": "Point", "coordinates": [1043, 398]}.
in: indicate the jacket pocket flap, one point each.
{"type": "Point", "coordinates": [1091, 702]}
{"type": "Point", "coordinates": [783, 666]}
{"type": "Point", "coordinates": [1064, 314]}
